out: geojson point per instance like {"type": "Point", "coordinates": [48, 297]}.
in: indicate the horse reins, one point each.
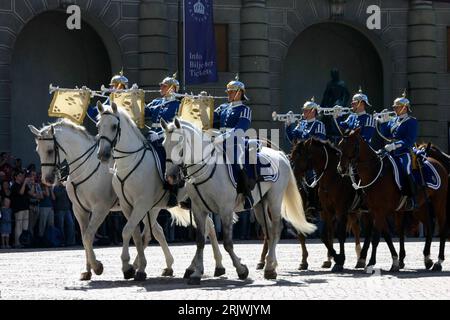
{"type": "Point", "coordinates": [352, 173]}
{"type": "Point", "coordinates": [57, 165]}
{"type": "Point", "coordinates": [316, 181]}
{"type": "Point", "coordinates": [144, 148]}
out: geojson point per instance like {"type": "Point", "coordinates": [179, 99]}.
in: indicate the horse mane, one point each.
{"type": "Point", "coordinates": [66, 123]}
{"type": "Point", "coordinates": [125, 116]}
{"type": "Point", "coordinates": [328, 144]}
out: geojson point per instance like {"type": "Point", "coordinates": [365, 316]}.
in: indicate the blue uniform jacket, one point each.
{"type": "Point", "coordinates": [233, 115]}
{"type": "Point", "coordinates": [305, 130]}
{"type": "Point", "coordinates": [364, 121]}
{"type": "Point", "coordinates": [403, 130]}
{"type": "Point", "coordinates": [161, 108]}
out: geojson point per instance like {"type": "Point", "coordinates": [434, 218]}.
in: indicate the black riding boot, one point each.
{"type": "Point", "coordinates": [411, 202]}
{"type": "Point", "coordinates": [246, 186]}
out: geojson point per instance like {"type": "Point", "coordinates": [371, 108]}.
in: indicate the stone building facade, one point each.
{"type": "Point", "coordinates": [283, 50]}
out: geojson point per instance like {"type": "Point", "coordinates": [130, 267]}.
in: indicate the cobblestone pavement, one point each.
{"type": "Point", "coordinates": [53, 274]}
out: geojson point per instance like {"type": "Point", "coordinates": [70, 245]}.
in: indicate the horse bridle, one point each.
{"type": "Point", "coordinates": [352, 171]}
{"type": "Point", "coordinates": [309, 165]}
{"type": "Point", "coordinates": [112, 142]}
{"type": "Point", "coordinates": [184, 167]}
{"type": "Point", "coordinates": [57, 164]}
{"type": "Point", "coordinates": [56, 147]}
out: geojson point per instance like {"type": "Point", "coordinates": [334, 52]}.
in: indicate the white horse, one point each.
{"type": "Point", "coordinates": [89, 186]}
{"type": "Point", "coordinates": [137, 182]}
{"type": "Point", "coordinates": [206, 179]}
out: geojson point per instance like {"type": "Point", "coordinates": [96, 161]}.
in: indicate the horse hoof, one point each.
{"type": "Point", "coordinates": [270, 274]}
{"type": "Point", "coordinates": [187, 274]}
{"type": "Point", "coordinates": [86, 276]}
{"type": "Point", "coordinates": [369, 270]}
{"type": "Point", "coordinates": [243, 275]}
{"type": "Point", "coordinates": [129, 273]}
{"type": "Point", "coordinates": [337, 268]}
{"type": "Point", "coordinates": [401, 265]}
{"type": "Point", "coordinates": [195, 281]}
{"type": "Point", "coordinates": [140, 276]}
{"type": "Point", "coordinates": [395, 268]}
{"type": "Point", "coordinates": [360, 264]}
{"type": "Point", "coordinates": [219, 272]}
{"type": "Point", "coordinates": [167, 272]}
{"type": "Point", "coordinates": [326, 264]}
{"type": "Point", "coordinates": [99, 270]}
{"type": "Point", "coordinates": [303, 266]}
{"type": "Point", "coordinates": [437, 267]}
{"type": "Point", "coordinates": [260, 266]}
{"type": "Point", "coordinates": [428, 264]}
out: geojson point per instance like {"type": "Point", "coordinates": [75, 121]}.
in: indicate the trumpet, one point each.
{"type": "Point", "coordinates": [384, 115]}
{"type": "Point", "coordinates": [336, 110]}
{"type": "Point", "coordinates": [285, 116]}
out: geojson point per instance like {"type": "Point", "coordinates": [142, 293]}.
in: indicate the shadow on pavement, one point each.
{"type": "Point", "coordinates": [166, 284]}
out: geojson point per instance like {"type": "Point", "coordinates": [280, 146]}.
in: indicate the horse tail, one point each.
{"type": "Point", "coordinates": [181, 217]}
{"type": "Point", "coordinates": [292, 207]}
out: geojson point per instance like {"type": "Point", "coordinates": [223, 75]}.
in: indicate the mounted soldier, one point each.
{"type": "Point", "coordinates": [308, 127]}
{"type": "Point", "coordinates": [165, 107]}
{"type": "Point", "coordinates": [402, 131]}
{"type": "Point", "coordinates": [233, 119]}
{"type": "Point", "coordinates": [360, 118]}
{"type": "Point", "coordinates": [118, 82]}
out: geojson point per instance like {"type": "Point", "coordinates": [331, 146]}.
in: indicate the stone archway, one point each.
{"type": "Point", "coordinates": [47, 52]}
{"type": "Point", "coordinates": [317, 50]}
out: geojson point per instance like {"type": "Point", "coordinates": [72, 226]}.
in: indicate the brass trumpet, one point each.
{"type": "Point", "coordinates": [283, 117]}
{"type": "Point", "coordinates": [384, 114]}
{"type": "Point", "coordinates": [335, 110]}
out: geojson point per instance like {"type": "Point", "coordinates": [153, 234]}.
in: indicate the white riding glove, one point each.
{"type": "Point", "coordinates": [390, 147]}
{"type": "Point", "coordinates": [153, 136]}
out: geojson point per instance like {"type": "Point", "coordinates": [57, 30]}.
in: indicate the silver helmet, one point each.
{"type": "Point", "coordinates": [236, 85]}
{"type": "Point", "coordinates": [119, 79]}
{"type": "Point", "coordinates": [360, 96]}
{"type": "Point", "coordinates": [402, 102]}
{"type": "Point", "coordinates": [171, 82]}
{"type": "Point", "coordinates": [311, 104]}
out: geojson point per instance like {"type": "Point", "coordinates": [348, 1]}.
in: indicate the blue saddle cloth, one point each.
{"type": "Point", "coordinates": [430, 175]}
{"type": "Point", "coordinates": [266, 170]}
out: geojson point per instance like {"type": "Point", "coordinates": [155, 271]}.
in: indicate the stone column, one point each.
{"type": "Point", "coordinates": [422, 67]}
{"type": "Point", "coordinates": [153, 43]}
{"type": "Point", "coordinates": [254, 59]}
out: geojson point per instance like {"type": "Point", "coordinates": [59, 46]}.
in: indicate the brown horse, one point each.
{"type": "Point", "coordinates": [336, 194]}
{"type": "Point", "coordinates": [383, 198]}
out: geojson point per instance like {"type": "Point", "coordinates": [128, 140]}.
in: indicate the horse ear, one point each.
{"type": "Point", "coordinates": [35, 131]}
{"type": "Point", "coordinates": [163, 124]}
{"type": "Point", "coordinates": [358, 131]}
{"type": "Point", "coordinates": [100, 107]}
{"type": "Point", "coordinates": [114, 107]}
{"type": "Point", "coordinates": [177, 123]}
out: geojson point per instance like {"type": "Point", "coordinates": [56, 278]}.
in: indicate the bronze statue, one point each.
{"type": "Point", "coordinates": [336, 92]}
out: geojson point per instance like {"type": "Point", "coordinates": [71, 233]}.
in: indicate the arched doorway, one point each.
{"type": "Point", "coordinates": [316, 51]}
{"type": "Point", "coordinates": [46, 52]}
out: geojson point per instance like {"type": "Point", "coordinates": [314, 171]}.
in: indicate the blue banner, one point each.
{"type": "Point", "coordinates": [200, 44]}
